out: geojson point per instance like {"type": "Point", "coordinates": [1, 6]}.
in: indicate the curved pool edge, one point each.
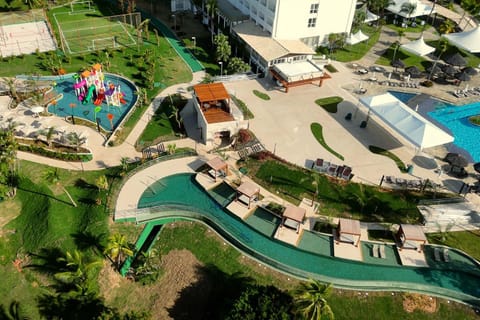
{"type": "Point", "coordinates": [190, 214]}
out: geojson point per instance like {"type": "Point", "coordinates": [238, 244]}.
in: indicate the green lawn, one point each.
{"type": "Point", "coordinates": [464, 240]}
{"type": "Point", "coordinates": [407, 58]}
{"type": "Point", "coordinates": [329, 103]}
{"type": "Point", "coordinates": [317, 132]}
{"type": "Point", "coordinates": [261, 95]}
{"type": "Point", "coordinates": [357, 51]}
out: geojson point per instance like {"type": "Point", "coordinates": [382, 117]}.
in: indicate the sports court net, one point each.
{"type": "Point", "coordinates": [79, 34]}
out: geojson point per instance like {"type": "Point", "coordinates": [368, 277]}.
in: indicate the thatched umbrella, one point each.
{"type": "Point", "coordinates": [470, 71]}
{"type": "Point", "coordinates": [398, 64]}
{"type": "Point", "coordinates": [476, 167]}
{"type": "Point", "coordinates": [456, 59]}
{"type": "Point", "coordinates": [449, 70]}
{"type": "Point", "coordinates": [434, 69]}
{"type": "Point", "coordinates": [462, 76]}
{"type": "Point", "coordinates": [413, 71]}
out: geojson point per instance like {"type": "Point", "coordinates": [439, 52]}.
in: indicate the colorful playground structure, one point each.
{"type": "Point", "coordinates": [90, 86]}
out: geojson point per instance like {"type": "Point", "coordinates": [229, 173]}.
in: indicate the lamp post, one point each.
{"type": "Point", "coordinates": [194, 42]}
{"type": "Point", "coordinates": [221, 67]}
{"type": "Point", "coordinates": [174, 22]}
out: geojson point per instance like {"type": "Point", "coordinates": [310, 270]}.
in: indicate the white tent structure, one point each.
{"type": "Point", "coordinates": [371, 17]}
{"type": "Point", "coordinates": [467, 40]}
{"type": "Point", "coordinates": [409, 124]}
{"type": "Point", "coordinates": [421, 9]}
{"type": "Point", "coordinates": [357, 37]}
{"type": "Point", "coordinates": [418, 47]}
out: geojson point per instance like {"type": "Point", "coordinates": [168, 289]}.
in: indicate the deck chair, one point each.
{"type": "Point", "coordinates": [436, 254]}
{"type": "Point", "coordinates": [346, 173]}
{"type": "Point", "coordinates": [160, 148]}
{"type": "Point", "coordinates": [381, 252]}
{"type": "Point", "coordinates": [375, 250]}
{"type": "Point", "coordinates": [446, 257]}
{"type": "Point", "coordinates": [332, 169]}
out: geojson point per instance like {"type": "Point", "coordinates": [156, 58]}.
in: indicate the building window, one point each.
{"type": "Point", "coordinates": [263, 2]}
{"type": "Point", "coordinates": [314, 8]}
{"type": "Point", "coordinates": [271, 6]}
{"type": "Point", "coordinates": [312, 22]}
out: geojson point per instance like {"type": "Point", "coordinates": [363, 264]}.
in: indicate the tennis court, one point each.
{"type": "Point", "coordinates": [25, 33]}
{"type": "Point", "coordinates": [86, 30]}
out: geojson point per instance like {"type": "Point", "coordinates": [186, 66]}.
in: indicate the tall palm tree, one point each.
{"type": "Point", "coordinates": [397, 44]}
{"type": "Point", "coordinates": [118, 248]}
{"type": "Point", "coordinates": [223, 49]}
{"type": "Point", "coordinates": [212, 7]}
{"type": "Point", "coordinates": [124, 162]}
{"type": "Point", "coordinates": [76, 140]}
{"type": "Point", "coordinates": [310, 300]}
{"type": "Point", "coordinates": [14, 312]}
{"type": "Point", "coordinates": [447, 26]}
{"type": "Point", "coordinates": [53, 176]}
{"type": "Point", "coordinates": [429, 17]}
{"type": "Point", "coordinates": [441, 48]}
{"type": "Point", "coordinates": [408, 8]}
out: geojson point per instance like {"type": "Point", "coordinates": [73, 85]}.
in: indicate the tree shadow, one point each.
{"type": "Point", "coordinates": [46, 261]}
{"type": "Point", "coordinates": [86, 240]}
{"type": "Point", "coordinates": [80, 183]}
{"type": "Point", "coordinates": [45, 195]}
{"type": "Point", "coordinates": [211, 296]}
{"type": "Point", "coordinates": [73, 307]}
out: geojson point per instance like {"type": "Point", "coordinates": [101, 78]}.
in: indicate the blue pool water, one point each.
{"type": "Point", "coordinates": [86, 111]}
{"type": "Point", "coordinates": [453, 119]}
{"type": "Point", "coordinates": [181, 189]}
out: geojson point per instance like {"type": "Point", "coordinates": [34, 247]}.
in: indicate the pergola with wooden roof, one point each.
{"type": "Point", "coordinates": [411, 237]}
{"type": "Point", "coordinates": [298, 74]}
{"type": "Point", "coordinates": [218, 166]}
{"type": "Point", "coordinates": [214, 102]}
{"type": "Point", "coordinates": [247, 192]}
{"type": "Point", "coordinates": [293, 216]}
{"type": "Point", "coordinates": [349, 231]}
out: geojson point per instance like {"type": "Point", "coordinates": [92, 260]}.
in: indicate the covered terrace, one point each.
{"type": "Point", "coordinates": [213, 101]}
{"type": "Point", "coordinates": [298, 73]}
{"type": "Point", "coordinates": [293, 217]}
{"type": "Point", "coordinates": [411, 237]}
{"type": "Point", "coordinates": [218, 168]}
{"type": "Point", "coordinates": [349, 231]}
{"type": "Point", "coordinates": [247, 192]}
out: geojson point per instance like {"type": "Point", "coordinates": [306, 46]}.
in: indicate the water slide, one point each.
{"type": "Point", "coordinates": [100, 97]}
{"type": "Point", "coordinates": [89, 94]}
{"type": "Point", "coordinates": [80, 84]}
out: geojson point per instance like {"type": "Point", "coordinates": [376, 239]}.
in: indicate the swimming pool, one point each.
{"type": "Point", "coordinates": [453, 119]}
{"type": "Point", "coordinates": [182, 190]}
{"type": "Point", "coordinates": [88, 111]}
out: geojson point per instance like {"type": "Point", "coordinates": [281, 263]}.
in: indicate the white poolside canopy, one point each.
{"type": "Point", "coordinates": [357, 37]}
{"type": "Point", "coordinates": [371, 17]}
{"type": "Point", "coordinates": [421, 9]}
{"type": "Point", "coordinates": [405, 121]}
{"type": "Point", "coordinates": [467, 40]}
{"type": "Point", "coordinates": [418, 47]}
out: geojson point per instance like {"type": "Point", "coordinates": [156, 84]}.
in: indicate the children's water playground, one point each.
{"type": "Point", "coordinates": [101, 98]}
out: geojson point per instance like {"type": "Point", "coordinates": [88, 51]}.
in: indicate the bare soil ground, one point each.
{"type": "Point", "coordinates": [414, 301]}
{"type": "Point", "coordinates": [10, 209]}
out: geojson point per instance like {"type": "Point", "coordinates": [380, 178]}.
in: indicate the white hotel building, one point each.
{"type": "Point", "coordinates": [277, 31]}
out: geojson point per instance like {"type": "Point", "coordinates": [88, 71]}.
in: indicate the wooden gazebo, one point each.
{"type": "Point", "coordinates": [218, 167]}
{"type": "Point", "coordinates": [411, 237]}
{"type": "Point", "coordinates": [293, 216]}
{"type": "Point", "coordinates": [349, 231]}
{"type": "Point", "coordinates": [214, 102]}
{"type": "Point", "coordinates": [247, 192]}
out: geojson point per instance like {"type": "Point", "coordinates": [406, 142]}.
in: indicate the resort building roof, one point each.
{"type": "Point", "coordinates": [211, 92]}
{"type": "Point", "coordinates": [349, 226]}
{"type": "Point", "coordinates": [294, 213]}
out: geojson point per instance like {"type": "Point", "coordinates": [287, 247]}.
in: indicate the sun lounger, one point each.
{"type": "Point", "coordinates": [381, 252]}
{"type": "Point", "coordinates": [332, 169]}
{"type": "Point", "coordinates": [160, 148]}
{"type": "Point", "coordinates": [375, 250]}
{"type": "Point", "coordinates": [347, 173]}
{"type": "Point", "coordinates": [446, 257]}
{"type": "Point", "coordinates": [436, 254]}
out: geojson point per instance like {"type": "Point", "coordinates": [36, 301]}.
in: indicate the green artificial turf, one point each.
{"type": "Point", "coordinates": [316, 129]}
{"type": "Point", "coordinates": [330, 103]}
{"type": "Point", "coordinates": [377, 150]}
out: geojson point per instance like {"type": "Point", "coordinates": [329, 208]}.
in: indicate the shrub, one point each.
{"type": "Point", "coordinates": [244, 136]}
{"type": "Point", "coordinates": [427, 83]}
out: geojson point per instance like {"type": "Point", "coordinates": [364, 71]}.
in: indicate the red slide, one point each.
{"type": "Point", "coordinates": [100, 97]}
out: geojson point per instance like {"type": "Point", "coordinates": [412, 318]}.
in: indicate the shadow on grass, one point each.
{"type": "Point", "coordinates": [87, 240]}
{"type": "Point", "coordinates": [45, 195]}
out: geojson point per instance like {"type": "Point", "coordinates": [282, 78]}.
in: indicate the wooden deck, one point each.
{"type": "Point", "coordinates": [215, 115]}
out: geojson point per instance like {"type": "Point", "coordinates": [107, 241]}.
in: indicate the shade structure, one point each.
{"type": "Point", "coordinates": [462, 76]}
{"type": "Point", "coordinates": [421, 9]}
{"type": "Point", "coordinates": [402, 119]}
{"type": "Point", "coordinates": [467, 40]}
{"type": "Point", "coordinates": [449, 70]}
{"type": "Point", "coordinates": [357, 37]}
{"type": "Point", "coordinates": [413, 71]}
{"type": "Point", "coordinates": [398, 64]}
{"type": "Point", "coordinates": [470, 71]}
{"type": "Point", "coordinates": [37, 109]}
{"type": "Point", "coordinates": [370, 17]}
{"type": "Point", "coordinates": [434, 69]}
{"type": "Point", "coordinates": [456, 59]}
{"type": "Point", "coordinates": [458, 161]}
{"type": "Point", "coordinates": [450, 156]}
{"type": "Point", "coordinates": [476, 167]}
{"type": "Point", "coordinates": [418, 47]}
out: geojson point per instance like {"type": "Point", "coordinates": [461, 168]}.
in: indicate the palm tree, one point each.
{"type": "Point", "coordinates": [446, 27]}
{"type": "Point", "coordinates": [408, 8]}
{"type": "Point", "coordinates": [429, 17]}
{"type": "Point", "coordinates": [77, 270]}
{"type": "Point", "coordinates": [124, 162]}
{"type": "Point", "coordinates": [223, 49]}
{"type": "Point", "coordinates": [212, 8]}
{"type": "Point", "coordinates": [48, 133]}
{"type": "Point", "coordinates": [52, 175]}
{"type": "Point", "coordinates": [76, 140]}
{"type": "Point", "coordinates": [310, 299]}
{"type": "Point", "coordinates": [12, 87]}
{"type": "Point", "coordinates": [379, 6]}
{"type": "Point", "coordinates": [102, 183]}
{"type": "Point", "coordinates": [441, 48]}
{"type": "Point", "coordinates": [397, 44]}
{"type": "Point", "coordinates": [14, 312]}
{"type": "Point", "coordinates": [118, 248]}
{"type": "Point", "coordinates": [171, 147]}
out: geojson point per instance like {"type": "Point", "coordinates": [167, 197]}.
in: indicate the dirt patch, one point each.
{"type": "Point", "coordinates": [181, 289]}
{"type": "Point", "coordinates": [415, 301]}
{"type": "Point", "coordinates": [10, 209]}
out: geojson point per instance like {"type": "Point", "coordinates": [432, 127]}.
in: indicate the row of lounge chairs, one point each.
{"type": "Point", "coordinates": [404, 183]}
{"type": "Point", "coordinates": [467, 93]}
{"type": "Point", "coordinates": [245, 152]}
{"type": "Point", "coordinates": [444, 255]}
{"type": "Point", "coordinates": [378, 251]}
{"type": "Point", "coordinates": [404, 84]}
{"type": "Point", "coordinates": [343, 172]}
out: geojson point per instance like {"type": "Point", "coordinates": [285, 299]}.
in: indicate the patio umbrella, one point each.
{"type": "Point", "coordinates": [398, 64]}
{"type": "Point", "coordinates": [449, 70]}
{"type": "Point", "coordinates": [462, 76]}
{"type": "Point", "coordinates": [450, 156]}
{"type": "Point", "coordinates": [412, 70]}
{"type": "Point", "coordinates": [456, 59]}
{"type": "Point", "coordinates": [470, 71]}
{"type": "Point", "coordinates": [37, 109]}
{"type": "Point", "coordinates": [476, 167]}
{"type": "Point", "coordinates": [459, 161]}
{"type": "Point", "coordinates": [435, 69]}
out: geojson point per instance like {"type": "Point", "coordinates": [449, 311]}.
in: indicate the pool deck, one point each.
{"type": "Point", "coordinates": [414, 258]}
